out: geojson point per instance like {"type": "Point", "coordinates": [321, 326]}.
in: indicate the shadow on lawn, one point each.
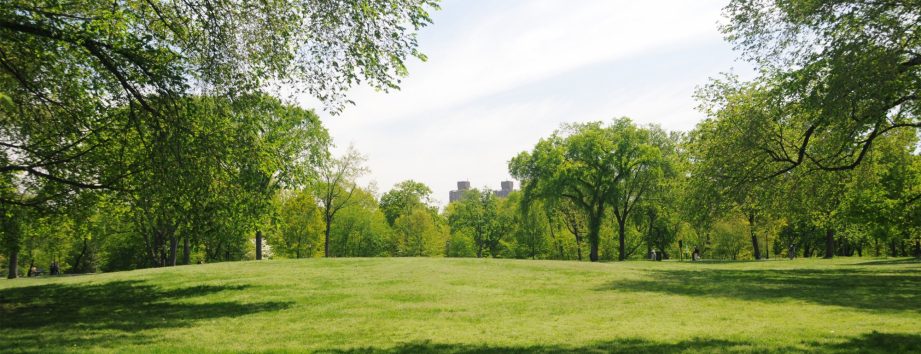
{"type": "Point", "coordinates": [45, 317]}
{"type": "Point", "coordinates": [903, 261]}
{"type": "Point", "coordinates": [894, 290]}
{"type": "Point", "coordinates": [874, 342]}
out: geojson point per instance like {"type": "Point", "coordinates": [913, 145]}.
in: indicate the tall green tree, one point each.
{"type": "Point", "coordinates": [532, 228]}
{"type": "Point", "coordinates": [419, 232]}
{"type": "Point", "coordinates": [404, 198]}
{"type": "Point", "coordinates": [595, 167]}
{"type": "Point", "coordinates": [336, 186]}
{"type": "Point", "coordinates": [361, 229]}
{"type": "Point", "coordinates": [477, 214]}
{"type": "Point", "coordinates": [297, 224]}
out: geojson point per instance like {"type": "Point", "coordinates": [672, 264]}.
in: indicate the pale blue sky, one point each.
{"type": "Point", "coordinates": [502, 74]}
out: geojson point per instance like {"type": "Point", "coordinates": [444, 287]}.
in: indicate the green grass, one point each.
{"type": "Point", "coordinates": [473, 305]}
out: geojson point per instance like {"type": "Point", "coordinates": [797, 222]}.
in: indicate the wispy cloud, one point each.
{"type": "Point", "coordinates": [502, 74]}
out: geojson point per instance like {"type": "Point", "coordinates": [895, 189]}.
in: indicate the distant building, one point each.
{"type": "Point", "coordinates": [463, 186]}
{"type": "Point", "coordinates": [507, 187]}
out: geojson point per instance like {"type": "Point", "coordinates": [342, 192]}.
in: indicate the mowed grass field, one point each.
{"type": "Point", "coordinates": [409, 305]}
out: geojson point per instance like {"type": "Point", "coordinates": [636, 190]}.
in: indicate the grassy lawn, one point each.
{"type": "Point", "coordinates": [473, 305]}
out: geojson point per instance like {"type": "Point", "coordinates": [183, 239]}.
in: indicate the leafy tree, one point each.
{"type": "Point", "coordinates": [212, 171]}
{"type": "Point", "coordinates": [298, 224]}
{"type": "Point", "coordinates": [336, 187]}
{"type": "Point", "coordinates": [837, 75]}
{"type": "Point", "coordinates": [531, 229]}
{"type": "Point", "coordinates": [660, 211]}
{"type": "Point", "coordinates": [594, 167]}
{"type": "Point", "coordinates": [404, 198]}
{"type": "Point", "coordinates": [881, 198]}
{"type": "Point", "coordinates": [729, 236]}
{"type": "Point", "coordinates": [817, 197]}
{"type": "Point", "coordinates": [574, 222]}
{"type": "Point", "coordinates": [419, 233]}
{"type": "Point", "coordinates": [727, 174]}
{"type": "Point", "coordinates": [361, 230]}
{"type": "Point", "coordinates": [12, 236]}
{"type": "Point", "coordinates": [67, 67]}
{"type": "Point", "coordinates": [477, 215]}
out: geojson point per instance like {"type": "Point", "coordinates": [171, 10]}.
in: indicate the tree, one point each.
{"type": "Point", "coordinates": [837, 75]}
{"type": "Point", "coordinates": [477, 214]}
{"type": "Point", "coordinates": [337, 184]}
{"type": "Point", "coordinates": [531, 226]}
{"type": "Point", "coordinates": [65, 66]}
{"type": "Point", "coordinates": [574, 222]}
{"type": "Point", "coordinates": [298, 224]}
{"type": "Point", "coordinates": [594, 167]}
{"type": "Point", "coordinates": [881, 198]}
{"type": "Point", "coordinates": [12, 237]}
{"type": "Point", "coordinates": [639, 165]}
{"type": "Point", "coordinates": [419, 233]}
{"type": "Point", "coordinates": [404, 198]}
{"type": "Point", "coordinates": [361, 229]}
{"type": "Point", "coordinates": [729, 237]}
{"type": "Point", "coordinates": [213, 170]}
{"type": "Point", "coordinates": [729, 170]}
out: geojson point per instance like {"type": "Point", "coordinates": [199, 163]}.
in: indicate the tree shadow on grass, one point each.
{"type": "Point", "coordinates": [874, 342]}
{"type": "Point", "coordinates": [57, 316]}
{"type": "Point", "coordinates": [903, 261]}
{"type": "Point", "coordinates": [616, 346]}
{"type": "Point", "coordinates": [895, 290]}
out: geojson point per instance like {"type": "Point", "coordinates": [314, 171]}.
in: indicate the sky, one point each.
{"type": "Point", "coordinates": [501, 74]}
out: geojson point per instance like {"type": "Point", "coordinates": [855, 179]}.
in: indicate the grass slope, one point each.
{"type": "Point", "coordinates": [472, 305]}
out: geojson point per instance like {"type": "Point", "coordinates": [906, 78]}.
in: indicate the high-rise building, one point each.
{"type": "Point", "coordinates": [463, 186]}
{"type": "Point", "coordinates": [507, 187]}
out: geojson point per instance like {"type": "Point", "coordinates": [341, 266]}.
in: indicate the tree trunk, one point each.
{"type": "Point", "coordinates": [751, 229]}
{"type": "Point", "coordinates": [78, 263]}
{"type": "Point", "coordinates": [578, 247]}
{"type": "Point", "coordinates": [553, 237]}
{"type": "Point", "coordinates": [14, 264]}
{"type": "Point", "coordinates": [621, 240]}
{"type": "Point", "coordinates": [173, 250]}
{"type": "Point", "coordinates": [917, 249]}
{"type": "Point", "coordinates": [258, 245]}
{"type": "Point", "coordinates": [186, 251]}
{"type": "Point", "coordinates": [594, 229]}
{"type": "Point", "coordinates": [326, 239]}
{"type": "Point", "coordinates": [829, 243]}
{"type": "Point", "coordinates": [767, 247]}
